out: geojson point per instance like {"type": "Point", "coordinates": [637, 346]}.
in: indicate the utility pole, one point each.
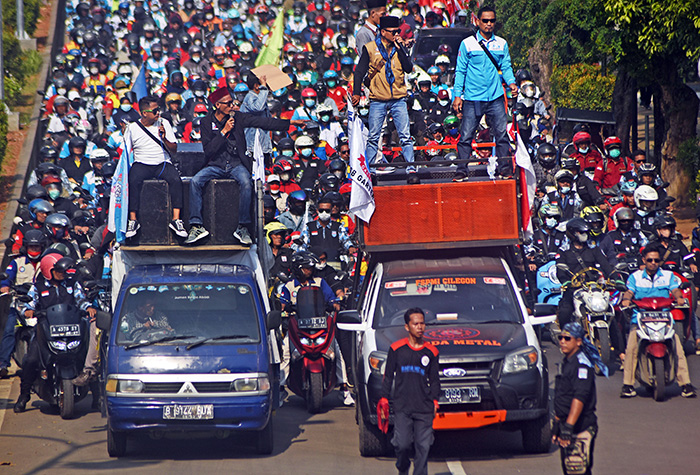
{"type": "Point", "coordinates": [21, 34]}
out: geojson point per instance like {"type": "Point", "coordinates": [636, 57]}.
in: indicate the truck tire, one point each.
{"type": "Point", "coordinates": [265, 439]}
{"type": "Point", "coordinates": [659, 380]}
{"type": "Point", "coordinates": [116, 442]}
{"type": "Point", "coordinates": [373, 442]}
{"type": "Point", "coordinates": [314, 395]}
{"type": "Point", "coordinates": [537, 435]}
{"type": "Point", "coordinates": [66, 400]}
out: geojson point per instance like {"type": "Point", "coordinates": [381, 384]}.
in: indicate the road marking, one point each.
{"type": "Point", "coordinates": [5, 388]}
{"type": "Point", "coordinates": [456, 468]}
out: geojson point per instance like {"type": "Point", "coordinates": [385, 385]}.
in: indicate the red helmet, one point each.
{"type": "Point", "coordinates": [199, 107]}
{"type": "Point", "coordinates": [582, 137]}
{"type": "Point", "coordinates": [612, 141]}
{"type": "Point", "coordinates": [443, 94]}
{"type": "Point", "coordinates": [282, 166]}
{"type": "Point", "coordinates": [320, 20]}
{"type": "Point", "coordinates": [50, 179]}
{"type": "Point", "coordinates": [308, 92]}
{"type": "Point", "coordinates": [47, 263]}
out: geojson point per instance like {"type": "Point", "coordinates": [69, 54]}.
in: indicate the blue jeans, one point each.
{"type": "Point", "coordinates": [7, 344]}
{"type": "Point", "coordinates": [245, 185]}
{"type": "Point", "coordinates": [495, 112]}
{"type": "Point", "coordinates": [399, 112]}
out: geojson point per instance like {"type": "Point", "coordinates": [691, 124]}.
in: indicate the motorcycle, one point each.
{"type": "Point", "coordinates": [657, 364]}
{"type": "Point", "coordinates": [312, 367]}
{"type": "Point", "coordinates": [682, 317]}
{"type": "Point", "coordinates": [24, 327]}
{"type": "Point", "coordinates": [62, 334]}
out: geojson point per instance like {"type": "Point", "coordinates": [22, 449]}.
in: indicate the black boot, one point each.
{"type": "Point", "coordinates": [21, 404]}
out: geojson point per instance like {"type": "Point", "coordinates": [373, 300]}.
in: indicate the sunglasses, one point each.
{"type": "Point", "coordinates": [344, 151]}
{"type": "Point", "coordinates": [639, 161]}
{"type": "Point", "coordinates": [392, 32]}
{"type": "Point", "coordinates": [488, 20]}
{"type": "Point", "coordinates": [226, 103]}
{"type": "Point", "coordinates": [653, 260]}
{"type": "Point", "coordinates": [565, 338]}
{"type": "Point", "coordinates": [153, 111]}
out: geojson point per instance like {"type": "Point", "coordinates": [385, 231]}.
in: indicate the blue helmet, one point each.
{"type": "Point", "coordinates": [346, 61]}
{"type": "Point", "coordinates": [241, 87]}
{"type": "Point", "coordinates": [40, 205]}
{"type": "Point", "coordinates": [628, 187]}
{"type": "Point", "coordinates": [434, 70]}
{"type": "Point", "coordinates": [330, 74]}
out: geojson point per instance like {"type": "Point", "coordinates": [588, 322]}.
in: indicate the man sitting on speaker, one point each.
{"type": "Point", "coordinates": [223, 136]}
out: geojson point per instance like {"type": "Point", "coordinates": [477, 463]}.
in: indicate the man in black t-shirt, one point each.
{"type": "Point", "coordinates": [413, 364]}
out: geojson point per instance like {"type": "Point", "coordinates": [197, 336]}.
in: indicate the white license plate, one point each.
{"type": "Point", "coordinates": [461, 395]}
{"type": "Point", "coordinates": [58, 331]}
{"type": "Point", "coordinates": [189, 411]}
{"type": "Point", "coordinates": [318, 322]}
{"type": "Point", "coordinates": [651, 317]}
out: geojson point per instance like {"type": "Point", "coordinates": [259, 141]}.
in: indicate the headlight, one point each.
{"type": "Point", "coordinates": [305, 341]}
{"type": "Point", "coordinates": [598, 303]}
{"type": "Point", "coordinates": [377, 362]}
{"type": "Point", "coordinates": [58, 345]}
{"type": "Point", "coordinates": [320, 340]}
{"type": "Point", "coordinates": [520, 360]}
{"type": "Point", "coordinates": [252, 384]}
{"type": "Point", "coordinates": [130, 386]}
{"type": "Point", "coordinates": [73, 344]}
{"type": "Point", "coordinates": [656, 335]}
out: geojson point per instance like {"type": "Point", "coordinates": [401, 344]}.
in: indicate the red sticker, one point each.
{"type": "Point", "coordinates": [399, 284]}
{"type": "Point", "coordinates": [495, 280]}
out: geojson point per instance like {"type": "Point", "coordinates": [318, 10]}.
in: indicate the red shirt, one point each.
{"type": "Point", "coordinates": [589, 160]}
{"type": "Point", "coordinates": [608, 171]}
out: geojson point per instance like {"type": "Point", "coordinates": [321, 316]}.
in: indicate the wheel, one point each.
{"type": "Point", "coordinates": [373, 442]}
{"type": "Point", "coordinates": [314, 395]}
{"type": "Point", "coordinates": [116, 442]}
{"type": "Point", "coordinates": [265, 439]}
{"type": "Point", "coordinates": [66, 400]}
{"type": "Point", "coordinates": [603, 337]}
{"type": "Point", "coordinates": [537, 435]}
{"type": "Point", "coordinates": [659, 380]}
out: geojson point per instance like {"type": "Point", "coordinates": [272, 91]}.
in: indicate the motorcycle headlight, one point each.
{"type": "Point", "coordinates": [377, 362]}
{"type": "Point", "coordinates": [305, 341]}
{"type": "Point", "coordinates": [521, 360]}
{"type": "Point", "coordinates": [320, 340]}
{"type": "Point", "coordinates": [73, 344]}
{"type": "Point", "coordinates": [656, 335]}
{"type": "Point", "coordinates": [58, 345]}
{"type": "Point", "coordinates": [598, 303]}
{"type": "Point", "coordinates": [130, 386]}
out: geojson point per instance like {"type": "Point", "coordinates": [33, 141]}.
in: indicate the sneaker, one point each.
{"type": "Point", "coordinates": [132, 227]}
{"type": "Point", "coordinates": [348, 400]}
{"type": "Point", "coordinates": [283, 395]}
{"type": "Point", "coordinates": [460, 176]}
{"type": "Point", "coordinates": [178, 228]}
{"type": "Point", "coordinates": [197, 232]}
{"type": "Point", "coordinates": [628, 391]}
{"type": "Point", "coordinates": [83, 378]}
{"type": "Point", "coordinates": [385, 170]}
{"type": "Point", "coordinates": [21, 404]}
{"type": "Point", "coordinates": [242, 235]}
{"type": "Point", "coordinates": [4, 372]}
{"type": "Point", "coordinates": [689, 391]}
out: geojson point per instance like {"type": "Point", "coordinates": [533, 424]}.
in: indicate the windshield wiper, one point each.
{"type": "Point", "coordinates": [207, 340]}
{"type": "Point", "coordinates": [159, 340]}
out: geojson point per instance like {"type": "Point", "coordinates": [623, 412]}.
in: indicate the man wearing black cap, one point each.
{"type": "Point", "coordinates": [385, 62]}
{"type": "Point", "coordinates": [376, 10]}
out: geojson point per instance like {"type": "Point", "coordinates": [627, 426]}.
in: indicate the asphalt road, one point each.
{"type": "Point", "coordinates": [637, 436]}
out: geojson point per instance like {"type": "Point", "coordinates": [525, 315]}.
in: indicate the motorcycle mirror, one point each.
{"type": "Point", "coordinates": [274, 319]}
{"type": "Point", "coordinates": [24, 298]}
{"type": "Point", "coordinates": [564, 267]}
{"type": "Point", "coordinates": [621, 287]}
{"type": "Point", "coordinates": [103, 320]}
{"type": "Point", "coordinates": [685, 285]}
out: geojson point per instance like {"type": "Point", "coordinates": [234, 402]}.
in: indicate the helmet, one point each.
{"type": "Point", "coordinates": [549, 211]}
{"type": "Point", "coordinates": [77, 142]}
{"type": "Point", "coordinates": [612, 141]}
{"type": "Point", "coordinates": [628, 187]}
{"type": "Point", "coordinates": [108, 169]}
{"type": "Point", "coordinates": [285, 144]}
{"type": "Point", "coordinates": [623, 214]}
{"type": "Point", "coordinates": [570, 163]}
{"type": "Point", "coordinates": [64, 265]}
{"type": "Point", "coordinates": [577, 230]}
{"type": "Point", "coordinates": [329, 182]}
{"type": "Point", "coordinates": [57, 220]}
{"type": "Point", "coordinates": [40, 205]}
{"type": "Point", "coordinates": [444, 49]}
{"type": "Point", "coordinates": [564, 175]}
{"type": "Point", "coordinates": [34, 237]}
{"type": "Point", "coordinates": [35, 191]}
{"type": "Point", "coordinates": [241, 87]}
{"type": "Point", "coordinates": [436, 127]}
{"type": "Point", "coordinates": [338, 168]}
{"type": "Point", "coordinates": [274, 227]}
{"type": "Point", "coordinates": [346, 61]}
{"type": "Point", "coordinates": [298, 196]}
{"type": "Point", "coordinates": [308, 92]}
{"type": "Point", "coordinates": [434, 70]}
{"type": "Point", "coordinates": [48, 153]}
{"type": "Point", "coordinates": [303, 260]}
{"type": "Point", "coordinates": [647, 169]}
{"type": "Point", "coordinates": [219, 51]}
{"type": "Point", "coordinates": [443, 94]}
{"type": "Point", "coordinates": [322, 109]}
{"type": "Point", "coordinates": [547, 156]}
{"type": "Point", "coordinates": [282, 166]}
{"type": "Point", "coordinates": [582, 137]}
{"type": "Point", "coordinates": [644, 193]}
{"type": "Point", "coordinates": [330, 74]}
{"type": "Point", "coordinates": [303, 141]}
{"type": "Point", "coordinates": [47, 264]}
{"type": "Point", "coordinates": [664, 221]}
{"type": "Point", "coordinates": [173, 97]}
{"type": "Point", "coordinates": [99, 155]}
{"type": "Point", "coordinates": [245, 47]}
{"type": "Point", "coordinates": [334, 198]}
{"type": "Point", "coordinates": [451, 121]}
{"type": "Point", "coordinates": [593, 215]}
{"type": "Point", "coordinates": [442, 59]}
{"type": "Point", "coordinates": [522, 75]}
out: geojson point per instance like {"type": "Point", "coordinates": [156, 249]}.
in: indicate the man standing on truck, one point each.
{"type": "Point", "coordinates": [376, 9]}
{"type": "Point", "coordinates": [478, 90]}
{"type": "Point", "coordinates": [413, 363]}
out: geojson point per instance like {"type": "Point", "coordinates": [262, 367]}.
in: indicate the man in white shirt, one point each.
{"type": "Point", "coordinates": [152, 140]}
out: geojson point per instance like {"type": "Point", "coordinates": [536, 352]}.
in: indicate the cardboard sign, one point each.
{"type": "Point", "coordinates": [276, 79]}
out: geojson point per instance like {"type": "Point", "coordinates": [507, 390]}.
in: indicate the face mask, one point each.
{"type": "Point", "coordinates": [125, 107]}
{"type": "Point", "coordinates": [551, 222]}
{"type": "Point", "coordinates": [94, 70]}
{"type": "Point", "coordinates": [54, 193]}
{"type": "Point", "coordinates": [583, 149]}
{"type": "Point", "coordinates": [582, 237]}
{"type": "Point", "coordinates": [306, 152]}
{"type": "Point", "coordinates": [615, 153]}
{"type": "Point", "coordinates": [310, 103]}
{"type": "Point", "coordinates": [33, 254]}
{"type": "Point", "coordinates": [325, 118]}
{"type": "Point", "coordinates": [444, 103]}
{"type": "Point", "coordinates": [285, 177]}
{"type": "Point", "coordinates": [199, 93]}
{"type": "Point", "coordinates": [339, 174]}
{"type": "Point", "coordinates": [61, 91]}
{"type": "Point", "coordinates": [331, 83]}
{"type": "Point", "coordinates": [287, 153]}
{"type": "Point", "coordinates": [364, 111]}
{"type": "Point", "coordinates": [274, 188]}
{"type": "Point", "coordinates": [625, 226]}
{"type": "Point", "coordinates": [324, 215]}
{"type": "Point", "coordinates": [297, 18]}
{"type": "Point", "coordinates": [453, 132]}
{"type": "Point", "coordinates": [565, 189]}
{"type": "Point", "coordinates": [196, 59]}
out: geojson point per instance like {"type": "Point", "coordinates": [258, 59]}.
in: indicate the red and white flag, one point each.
{"type": "Point", "coordinates": [361, 194]}
{"type": "Point", "coordinates": [529, 180]}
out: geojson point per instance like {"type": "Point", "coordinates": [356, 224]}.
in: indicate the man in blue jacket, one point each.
{"type": "Point", "coordinates": [478, 91]}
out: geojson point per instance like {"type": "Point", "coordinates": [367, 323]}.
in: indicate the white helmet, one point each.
{"type": "Point", "coordinates": [321, 108]}
{"type": "Point", "coordinates": [303, 141]}
{"type": "Point", "coordinates": [644, 193]}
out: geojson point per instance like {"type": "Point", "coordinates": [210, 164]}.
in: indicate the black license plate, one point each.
{"type": "Point", "coordinates": [188, 411]}
{"type": "Point", "coordinates": [314, 323]}
{"type": "Point", "coordinates": [58, 331]}
{"type": "Point", "coordinates": [471, 394]}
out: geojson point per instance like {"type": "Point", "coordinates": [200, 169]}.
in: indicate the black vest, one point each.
{"type": "Point", "coordinates": [325, 239]}
{"type": "Point", "coordinates": [50, 295]}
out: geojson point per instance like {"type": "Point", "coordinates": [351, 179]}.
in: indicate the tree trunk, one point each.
{"type": "Point", "coordinates": [540, 59]}
{"type": "Point", "coordinates": [624, 107]}
{"type": "Point", "coordinates": [679, 105]}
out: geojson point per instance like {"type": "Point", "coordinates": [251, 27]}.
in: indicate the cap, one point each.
{"type": "Point", "coordinates": [272, 177]}
{"type": "Point", "coordinates": [389, 22]}
{"type": "Point", "coordinates": [219, 94]}
{"type": "Point", "coordinates": [73, 95]}
{"type": "Point", "coordinates": [375, 4]}
{"type": "Point", "coordinates": [229, 63]}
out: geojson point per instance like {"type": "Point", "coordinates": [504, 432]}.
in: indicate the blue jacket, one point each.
{"type": "Point", "coordinates": [476, 78]}
{"type": "Point", "coordinates": [660, 285]}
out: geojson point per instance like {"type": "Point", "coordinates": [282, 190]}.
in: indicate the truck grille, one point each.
{"type": "Point", "coordinates": [174, 388]}
{"type": "Point", "coordinates": [465, 371]}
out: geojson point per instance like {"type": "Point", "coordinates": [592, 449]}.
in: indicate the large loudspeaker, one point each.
{"type": "Point", "coordinates": [220, 210]}
{"type": "Point", "coordinates": [155, 213]}
{"type": "Point", "coordinates": [189, 158]}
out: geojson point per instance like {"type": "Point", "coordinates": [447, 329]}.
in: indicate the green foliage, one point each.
{"type": "Point", "coordinates": [581, 86]}
{"type": "Point", "coordinates": [12, 56]}
{"type": "Point", "coordinates": [3, 132]}
{"type": "Point", "coordinates": [13, 91]}
{"type": "Point", "coordinates": [689, 157]}
{"type": "Point", "coordinates": [31, 15]}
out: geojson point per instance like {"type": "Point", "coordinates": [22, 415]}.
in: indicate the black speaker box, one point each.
{"type": "Point", "coordinates": [155, 213]}
{"type": "Point", "coordinates": [220, 210]}
{"type": "Point", "coordinates": [189, 158]}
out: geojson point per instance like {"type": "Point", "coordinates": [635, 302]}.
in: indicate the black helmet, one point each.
{"type": "Point", "coordinates": [48, 154]}
{"type": "Point", "coordinates": [577, 230]}
{"type": "Point", "coordinates": [77, 141]}
{"type": "Point", "coordinates": [334, 198]}
{"type": "Point", "coordinates": [329, 182]}
{"type": "Point", "coordinates": [570, 163]}
{"type": "Point", "coordinates": [35, 192]}
{"type": "Point", "coordinates": [83, 218]}
{"type": "Point", "coordinates": [547, 156]}
{"type": "Point", "coordinates": [274, 105]}
{"type": "Point", "coordinates": [64, 265]}
{"type": "Point", "coordinates": [108, 169]}
{"type": "Point", "coordinates": [46, 168]}
{"type": "Point", "coordinates": [664, 221]}
{"type": "Point", "coordinates": [303, 260]}
{"type": "Point", "coordinates": [338, 168]}
{"type": "Point", "coordinates": [34, 237]}
{"type": "Point", "coordinates": [285, 144]}
{"type": "Point", "coordinates": [523, 75]}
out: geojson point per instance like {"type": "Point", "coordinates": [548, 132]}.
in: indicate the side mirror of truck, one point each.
{"type": "Point", "coordinates": [274, 319]}
{"type": "Point", "coordinates": [544, 313]}
{"type": "Point", "coordinates": [103, 320]}
{"type": "Point", "coordinates": [350, 320]}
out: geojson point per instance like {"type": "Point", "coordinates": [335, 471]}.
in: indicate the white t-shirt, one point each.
{"type": "Point", "coordinates": [146, 150]}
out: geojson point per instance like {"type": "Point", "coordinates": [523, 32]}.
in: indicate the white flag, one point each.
{"type": "Point", "coordinates": [258, 159]}
{"type": "Point", "coordinates": [523, 160]}
{"type": "Point", "coordinates": [361, 194]}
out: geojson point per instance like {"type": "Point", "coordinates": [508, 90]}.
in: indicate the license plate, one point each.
{"type": "Point", "coordinates": [461, 395]}
{"type": "Point", "coordinates": [651, 317]}
{"type": "Point", "coordinates": [318, 322]}
{"type": "Point", "coordinates": [58, 331]}
{"type": "Point", "coordinates": [188, 411]}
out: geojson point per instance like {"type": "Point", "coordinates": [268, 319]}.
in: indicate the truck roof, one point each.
{"type": "Point", "coordinates": [416, 267]}
{"type": "Point", "coordinates": [194, 272]}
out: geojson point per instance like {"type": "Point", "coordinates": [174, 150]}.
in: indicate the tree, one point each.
{"type": "Point", "coordinates": [660, 43]}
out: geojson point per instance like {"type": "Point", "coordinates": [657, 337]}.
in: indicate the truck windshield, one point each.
{"type": "Point", "coordinates": [176, 312]}
{"type": "Point", "coordinates": [448, 300]}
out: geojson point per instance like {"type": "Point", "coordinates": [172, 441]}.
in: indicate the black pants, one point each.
{"type": "Point", "coordinates": [566, 308]}
{"type": "Point", "coordinates": [139, 172]}
{"type": "Point", "coordinates": [412, 431]}
{"type": "Point", "coordinates": [31, 365]}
